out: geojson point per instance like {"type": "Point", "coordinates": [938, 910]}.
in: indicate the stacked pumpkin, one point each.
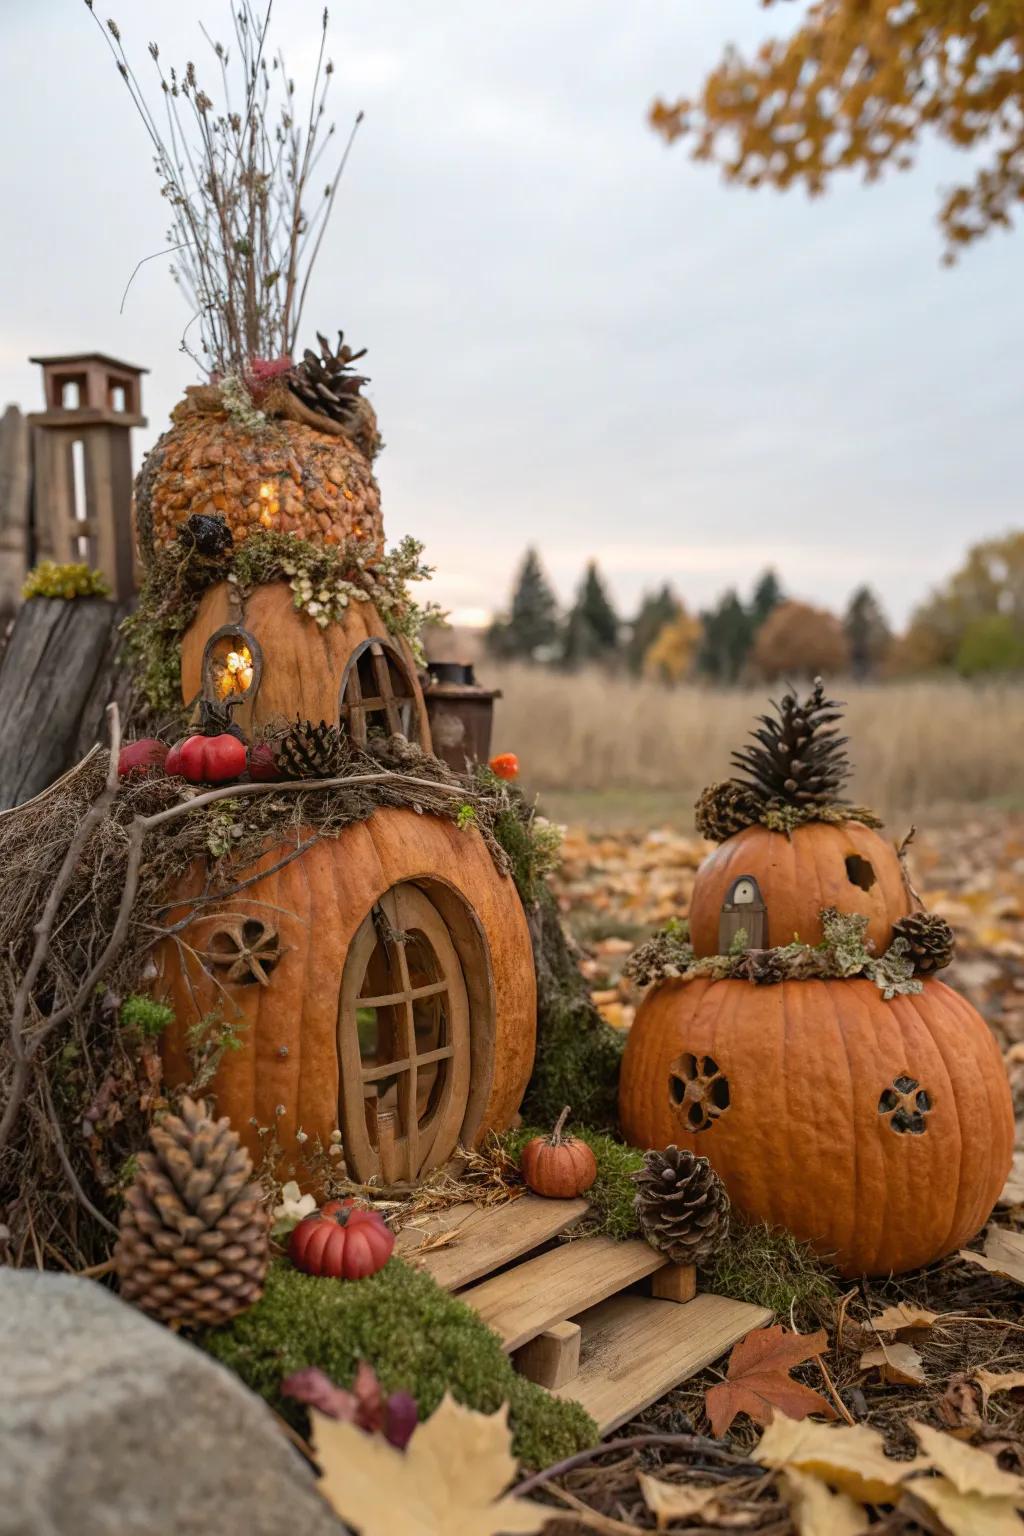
{"type": "Point", "coordinates": [878, 1129]}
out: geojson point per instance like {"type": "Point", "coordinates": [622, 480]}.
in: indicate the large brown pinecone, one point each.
{"type": "Point", "coordinates": [326, 383]}
{"type": "Point", "coordinates": [682, 1205]}
{"type": "Point", "coordinates": [308, 751]}
{"type": "Point", "coordinates": [798, 756]}
{"type": "Point", "coordinates": [194, 1240]}
{"type": "Point", "coordinates": [724, 809]}
{"type": "Point", "coordinates": [931, 939]}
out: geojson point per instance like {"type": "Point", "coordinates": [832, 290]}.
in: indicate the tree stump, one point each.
{"type": "Point", "coordinates": [60, 669]}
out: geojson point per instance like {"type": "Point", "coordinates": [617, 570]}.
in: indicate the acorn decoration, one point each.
{"type": "Point", "coordinates": [559, 1167]}
{"type": "Point", "coordinates": [681, 1205]}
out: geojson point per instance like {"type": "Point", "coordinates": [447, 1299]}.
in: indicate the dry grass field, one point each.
{"type": "Point", "coordinates": [600, 748]}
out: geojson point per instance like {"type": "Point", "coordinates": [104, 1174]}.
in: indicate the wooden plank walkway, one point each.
{"type": "Point", "coordinates": [484, 1237]}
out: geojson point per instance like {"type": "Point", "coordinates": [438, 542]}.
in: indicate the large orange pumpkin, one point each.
{"type": "Point", "coordinates": [881, 1132]}
{"type": "Point", "coordinates": [847, 866]}
{"type": "Point", "coordinates": [296, 667]}
{"type": "Point", "coordinates": [384, 985]}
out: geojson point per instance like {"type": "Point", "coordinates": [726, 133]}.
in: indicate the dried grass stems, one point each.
{"type": "Point", "coordinates": [85, 872]}
{"type": "Point", "coordinates": [241, 167]}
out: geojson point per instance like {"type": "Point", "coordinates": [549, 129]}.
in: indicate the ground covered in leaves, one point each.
{"type": "Point", "coordinates": [943, 1347]}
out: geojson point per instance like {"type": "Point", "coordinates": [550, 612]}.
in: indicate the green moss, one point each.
{"type": "Point", "coordinates": [146, 1017]}
{"type": "Point", "coordinates": [771, 1268]}
{"type": "Point", "coordinates": [417, 1338]}
{"type": "Point", "coordinates": [613, 1192]}
{"type": "Point", "coordinates": [48, 579]}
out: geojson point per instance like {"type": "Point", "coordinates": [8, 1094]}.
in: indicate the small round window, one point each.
{"type": "Point", "coordinates": [232, 663]}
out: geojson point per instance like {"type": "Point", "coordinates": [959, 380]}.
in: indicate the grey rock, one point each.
{"type": "Point", "coordinates": [112, 1426]}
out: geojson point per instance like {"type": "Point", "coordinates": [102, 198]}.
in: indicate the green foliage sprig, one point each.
{"type": "Point", "coordinates": [842, 953]}
{"type": "Point", "coordinates": [145, 1016]}
{"type": "Point", "coordinates": [48, 579]}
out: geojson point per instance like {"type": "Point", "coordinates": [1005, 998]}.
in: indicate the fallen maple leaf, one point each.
{"type": "Point", "coordinates": [680, 1501]}
{"type": "Point", "coordinates": [903, 1316]}
{"type": "Point", "coordinates": [817, 1511]}
{"type": "Point", "coordinates": [898, 1363]}
{"type": "Point", "coordinates": [448, 1481]}
{"type": "Point", "coordinates": [968, 1469]}
{"type": "Point", "coordinates": [850, 1458]}
{"type": "Point", "coordinates": [964, 1514]}
{"type": "Point", "coordinates": [1003, 1255]}
{"type": "Point", "coordinates": [758, 1381]}
{"type": "Point", "coordinates": [992, 1382]}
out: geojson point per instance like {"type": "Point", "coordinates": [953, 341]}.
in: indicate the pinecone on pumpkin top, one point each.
{"type": "Point", "coordinates": [194, 1243]}
{"type": "Point", "coordinates": [725, 809]}
{"type": "Point", "coordinates": [798, 757]}
{"type": "Point", "coordinates": [326, 384]}
{"type": "Point", "coordinates": [930, 938]}
{"type": "Point", "coordinates": [681, 1205]}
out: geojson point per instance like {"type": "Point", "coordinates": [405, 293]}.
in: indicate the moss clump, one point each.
{"type": "Point", "coordinates": [417, 1338]}
{"type": "Point", "coordinates": [48, 579]}
{"type": "Point", "coordinates": [145, 1016]}
{"type": "Point", "coordinates": [613, 1193]}
{"type": "Point", "coordinates": [771, 1268]}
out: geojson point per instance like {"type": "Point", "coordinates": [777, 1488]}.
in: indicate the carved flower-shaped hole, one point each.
{"type": "Point", "coordinates": [698, 1090]}
{"type": "Point", "coordinates": [244, 950]}
{"type": "Point", "coordinates": [906, 1104]}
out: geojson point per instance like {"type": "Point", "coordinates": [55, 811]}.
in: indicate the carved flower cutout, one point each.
{"type": "Point", "coordinates": [698, 1090]}
{"type": "Point", "coordinates": [245, 949]}
{"type": "Point", "coordinates": [906, 1103]}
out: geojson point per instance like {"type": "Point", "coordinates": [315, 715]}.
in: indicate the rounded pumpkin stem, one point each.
{"type": "Point", "coordinates": [556, 1138]}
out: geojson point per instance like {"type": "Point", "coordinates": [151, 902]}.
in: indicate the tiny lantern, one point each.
{"type": "Point", "coordinates": [743, 911]}
{"type": "Point", "coordinates": [461, 714]}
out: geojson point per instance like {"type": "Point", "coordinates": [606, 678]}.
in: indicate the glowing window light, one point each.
{"type": "Point", "coordinates": [236, 673]}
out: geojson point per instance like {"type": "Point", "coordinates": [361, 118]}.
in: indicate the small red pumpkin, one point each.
{"type": "Point", "coordinates": [558, 1166]}
{"type": "Point", "coordinates": [505, 765]}
{"type": "Point", "coordinates": [211, 759]}
{"type": "Point", "coordinates": [262, 766]}
{"type": "Point", "coordinates": [141, 757]}
{"type": "Point", "coordinates": [343, 1240]}
{"type": "Point", "coordinates": [172, 762]}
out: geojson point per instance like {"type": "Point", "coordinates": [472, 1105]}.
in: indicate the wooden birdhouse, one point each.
{"type": "Point", "coordinates": [82, 464]}
{"type": "Point", "coordinates": [743, 913]}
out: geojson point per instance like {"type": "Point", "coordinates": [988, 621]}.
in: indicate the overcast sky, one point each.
{"type": "Point", "coordinates": [578, 338]}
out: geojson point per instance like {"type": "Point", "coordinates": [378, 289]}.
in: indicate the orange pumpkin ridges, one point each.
{"type": "Point", "coordinates": [881, 1132]}
{"type": "Point", "coordinates": [558, 1166]}
{"type": "Point", "coordinates": [343, 1240]}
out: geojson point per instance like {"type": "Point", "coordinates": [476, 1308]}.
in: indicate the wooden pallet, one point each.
{"type": "Point", "coordinates": [573, 1315]}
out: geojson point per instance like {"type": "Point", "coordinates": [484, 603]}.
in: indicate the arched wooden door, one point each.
{"type": "Point", "coordinates": [403, 1041]}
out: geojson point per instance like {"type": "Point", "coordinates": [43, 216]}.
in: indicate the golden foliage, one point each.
{"type": "Point", "coordinates": [975, 620]}
{"type": "Point", "coordinates": [797, 640]}
{"type": "Point", "coordinates": [856, 86]}
{"type": "Point", "coordinates": [670, 656]}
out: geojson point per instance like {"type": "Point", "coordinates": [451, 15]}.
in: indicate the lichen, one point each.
{"type": "Point", "coordinates": [418, 1339]}
{"type": "Point", "coordinates": [48, 579]}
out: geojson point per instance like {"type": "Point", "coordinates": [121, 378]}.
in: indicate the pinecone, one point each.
{"type": "Point", "coordinates": [207, 534]}
{"type": "Point", "coordinates": [326, 383]}
{"type": "Point", "coordinates": [931, 940]}
{"type": "Point", "coordinates": [799, 760]}
{"type": "Point", "coordinates": [724, 809]}
{"type": "Point", "coordinates": [308, 751]}
{"type": "Point", "coordinates": [682, 1205]}
{"type": "Point", "coordinates": [194, 1242]}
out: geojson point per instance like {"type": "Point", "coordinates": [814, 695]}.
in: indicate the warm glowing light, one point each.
{"type": "Point", "coordinates": [236, 673]}
{"type": "Point", "coordinates": [269, 505]}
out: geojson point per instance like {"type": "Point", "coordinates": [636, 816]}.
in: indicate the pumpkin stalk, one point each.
{"type": "Point", "coordinates": [557, 1138]}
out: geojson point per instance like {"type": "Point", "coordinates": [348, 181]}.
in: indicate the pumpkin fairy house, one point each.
{"type": "Point", "coordinates": [799, 1038]}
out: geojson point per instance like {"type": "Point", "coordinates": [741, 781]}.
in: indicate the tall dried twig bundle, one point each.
{"type": "Point", "coordinates": [238, 174]}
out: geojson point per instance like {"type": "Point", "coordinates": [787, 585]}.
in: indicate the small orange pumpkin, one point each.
{"type": "Point", "coordinates": [341, 1239]}
{"type": "Point", "coordinates": [558, 1166]}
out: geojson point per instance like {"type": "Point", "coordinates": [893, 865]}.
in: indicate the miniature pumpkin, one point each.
{"type": "Point", "coordinates": [505, 765]}
{"type": "Point", "coordinates": [262, 763]}
{"type": "Point", "coordinates": [558, 1166]}
{"type": "Point", "coordinates": [141, 757]}
{"type": "Point", "coordinates": [847, 866]}
{"type": "Point", "coordinates": [341, 1239]}
{"type": "Point", "coordinates": [878, 1131]}
{"type": "Point", "coordinates": [211, 759]}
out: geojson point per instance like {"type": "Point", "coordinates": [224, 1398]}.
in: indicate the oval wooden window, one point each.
{"type": "Point", "coordinates": [377, 695]}
{"type": "Point", "coordinates": [232, 664]}
{"type": "Point", "coordinates": [403, 1041]}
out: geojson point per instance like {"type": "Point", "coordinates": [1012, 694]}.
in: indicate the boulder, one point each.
{"type": "Point", "coordinates": [112, 1426]}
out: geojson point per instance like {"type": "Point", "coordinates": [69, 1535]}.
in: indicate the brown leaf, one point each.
{"type": "Point", "coordinates": [992, 1382]}
{"type": "Point", "coordinates": [1003, 1255]}
{"type": "Point", "coordinates": [898, 1363]}
{"type": "Point", "coordinates": [902, 1317]}
{"type": "Point", "coordinates": [758, 1381]}
{"type": "Point", "coordinates": [686, 1501]}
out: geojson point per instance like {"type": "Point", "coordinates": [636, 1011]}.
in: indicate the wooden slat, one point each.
{"type": "Point", "coordinates": [553, 1357]}
{"type": "Point", "coordinates": [485, 1238]}
{"type": "Point", "coordinates": [556, 1285]}
{"type": "Point", "coordinates": [636, 1349]}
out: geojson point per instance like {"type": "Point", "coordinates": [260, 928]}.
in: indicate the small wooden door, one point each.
{"type": "Point", "coordinates": [403, 1041]}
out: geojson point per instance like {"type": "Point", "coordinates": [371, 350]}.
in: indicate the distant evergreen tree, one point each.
{"type": "Point", "coordinates": [867, 632]}
{"type": "Point", "coordinates": [592, 629]}
{"type": "Point", "coordinates": [657, 609]}
{"type": "Point", "coordinates": [768, 594]}
{"type": "Point", "coordinates": [727, 638]}
{"type": "Point", "coordinates": [532, 622]}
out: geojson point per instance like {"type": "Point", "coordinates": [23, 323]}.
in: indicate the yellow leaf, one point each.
{"type": "Point", "coordinates": [903, 1315]}
{"type": "Point", "coordinates": [818, 1512]}
{"type": "Point", "coordinates": [1004, 1254]}
{"type": "Point", "coordinates": [966, 1514]}
{"type": "Point", "coordinates": [849, 1457]}
{"type": "Point", "coordinates": [680, 1501]}
{"type": "Point", "coordinates": [969, 1470]}
{"type": "Point", "coordinates": [447, 1482]}
{"type": "Point", "coordinates": [899, 1363]}
{"type": "Point", "coordinates": [992, 1382]}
